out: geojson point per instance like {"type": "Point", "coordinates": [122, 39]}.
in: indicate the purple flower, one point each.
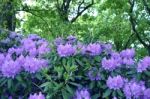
{"type": "Point", "coordinates": [33, 65]}
{"type": "Point", "coordinates": [115, 83]}
{"type": "Point", "coordinates": [110, 64]}
{"type": "Point", "coordinates": [147, 93]}
{"type": "Point", "coordinates": [37, 96]}
{"type": "Point", "coordinates": [21, 60]}
{"type": "Point", "coordinates": [11, 50]}
{"type": "Point", "coordinates": [10, 97]}
{"type": "Point", "coordinates": [19, 50]}
{"type": "Point", "coordinates": [133, 89]}
{"type": "Point", "coordinates": [143, 64]}
{"type": "Point", "coordinates": [33, 52]}
{"type": "Point", "coordinates": [66, 50]}
{"type": "Point", "coordinates": [82, 94]}
{"type": "Point", "coordinates": [117, 57]}
{"type": "Point", "coordinates": [59, 41]}
{"type": "Point", "coordinates": [28, 44]}
{"type": "Point", "coordinates": [114, 97]}
{"type": "Point", "coordinates": [107, 47]}
{"type": "Point", "coordinates": [2, 58]}
{"type": "Point", "coordinates": [128, 53]}
{"type": "Point", "coordinates": [12, 35]}
{"type": "Point", "coordinates": [34, 37]}
{"type": "Point", "coordinates": [10, 68]}
{"type": "Point", "coordinates": [93, 49]}
{"type": "Point", "coordinates": [128, 61]}
{"type": "Point", "coordinates": [43, 48]}
{"type": "Point", "coordinates": [71, 39]}
{"type": "Point", "coordinates": [94, 74]}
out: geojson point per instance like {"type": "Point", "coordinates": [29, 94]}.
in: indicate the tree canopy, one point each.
{"type": "Point", "coordinates": [125, 23]}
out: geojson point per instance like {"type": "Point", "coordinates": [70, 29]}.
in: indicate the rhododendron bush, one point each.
{"type": "Point", "coordinates": [66, 68]}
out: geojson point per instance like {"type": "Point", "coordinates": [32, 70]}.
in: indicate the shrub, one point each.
{"type": "Point", "coordinates": [70, 69]}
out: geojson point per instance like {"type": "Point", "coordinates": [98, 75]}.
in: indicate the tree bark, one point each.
{"type": "Point", "coordinates": [7, 16]}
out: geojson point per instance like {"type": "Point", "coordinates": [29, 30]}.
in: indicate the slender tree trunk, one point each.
{"type": "Point", "coordinates": [148, 49]}
{"type": "Point", "coordinates": [7, 16]}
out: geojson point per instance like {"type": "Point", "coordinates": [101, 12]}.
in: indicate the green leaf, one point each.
{"type": "Point", "coordinates": [69, 89]}
{"type": "Point", "coordinates": [119, 92]}
{"type": "Point", "coordinates": [75, 84]}
{"type": "Point", "coordinates": [45, 84]}
{"type": "Point", "coordinates": [9, 83]}
{"type": "Point", "coordinates": [64, 61]}
{"type": "Point", "coordinates": [147, 73]}
{"type": "Point", "coordinates": [96, 96]}
{"type": "Point", "coordinates": [65, 94]}
{"type": "Point", "coordinates": [107, 93]}
{"type": "Point", "coordinates": [79, 62]}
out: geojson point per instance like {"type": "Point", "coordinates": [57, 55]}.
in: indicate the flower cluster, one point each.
{"type": "Point", "coordinates": [97, 64]}
{"type": "Point", "coordinates": [115, 83]}
{"type": "Point", "coordinates": [66, 50]}
{"type": "Point", "coordinates": [94, 74]}
{"type": "Point", "coordinates": [115, 60]}
{"type": "Point", "coordinates": [144, 64]}
{"type": "Point", "coordinates": [82, 94]}
{"type": "Point", "coordinates": [25, 56]}
{"type": "Point", "coordinates": [110, 64]}
{"type": "Point", "coordinates": [37, 96]}
{"type": "Point", "coordinates": [134, 90]}
{"type": "Point", "coordinates": [92, 49]}
{"type": "Point", "coordinates": [127, 56]}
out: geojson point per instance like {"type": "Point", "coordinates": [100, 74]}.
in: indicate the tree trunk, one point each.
{"type": "Point", "coordinates": [7, 16]}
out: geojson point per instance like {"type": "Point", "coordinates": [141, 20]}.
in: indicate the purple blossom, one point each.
{"type": "Point", "coordinates": [59, 41]}
{"type": "Point", "coordinates": [19, 50]}
{"type": "Point", "coordinates": [133, 89]}
{"type": "Point", "coordinates": [10, 68]}
{"type": "Point", "coordinates": [107, 47]}
{"type": "Point", "coordinates": [147, 93]}
{"type": "Point", "coordinates": [114, 97]}
{"type": "Point", "coordinates": [43, 48]}
{"type": "Point", "coordinates": [143, 64]}
{"type": "Point", "coordinates": [28, 44]}
{"type": "Point", "coordinates": [33, 65]}
{"type": "Point", "coordinates": [2, 58]}
{"type": "Point", "coordinates": [37, 96]}
{"type": "Point", "coordinates": [128, 61]}
{"type": "Point", "coordinates": [71, 39]}
{"type": "Point", "coordinates": [128, 53]}
{"type": "Point", "coordinates": [10, 97]}
{"type": "Point", "coordinates": [94, 74]}
{"type": "Point", "coordinates": [110, 64]}
{"type": "Point", "coordinates": [12, 35]}
{"type": "Point", "coordinates": [117, 57]}
{"type": "Point", "coordinates": [34, 37]}
{"type": "Point", "coordinates": [82, 94]}
{"type": "Point", "coordinates": [115, 83]}
{"type": "Point", "coordinates": [21, 60]}
{"type": "Point", "coordinates": [66, 50]}
{"type": "Point", "coordinates": [11, 50]}
{"type": "Point", "coordinates": [93, 49]}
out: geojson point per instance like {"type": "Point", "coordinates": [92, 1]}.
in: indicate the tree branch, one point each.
{"type": "Point", "coordinates": [133, 23]}
{"type": "Point", "coordinates": [79, 13]}
{"type": "Point", "coordinates": [146, 6]}
{"type": "Point", "coordinates": [128, 41]}
{"type": "Point", "coordinates": [28, 11]}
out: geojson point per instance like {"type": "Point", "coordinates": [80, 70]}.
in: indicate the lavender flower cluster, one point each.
{"type": "Point", "coordinates": [70, 47]}
{"type": "Point", "coordinates": [82, 94]}
{"type": "Point", "coordinates": [111, 62]}
{"type": "Point", "coordinates": [24, 57]}
{"type": "Point", "coordinates": [37, 96]}
{"type": "Point", "coordinates": [116, 60]}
